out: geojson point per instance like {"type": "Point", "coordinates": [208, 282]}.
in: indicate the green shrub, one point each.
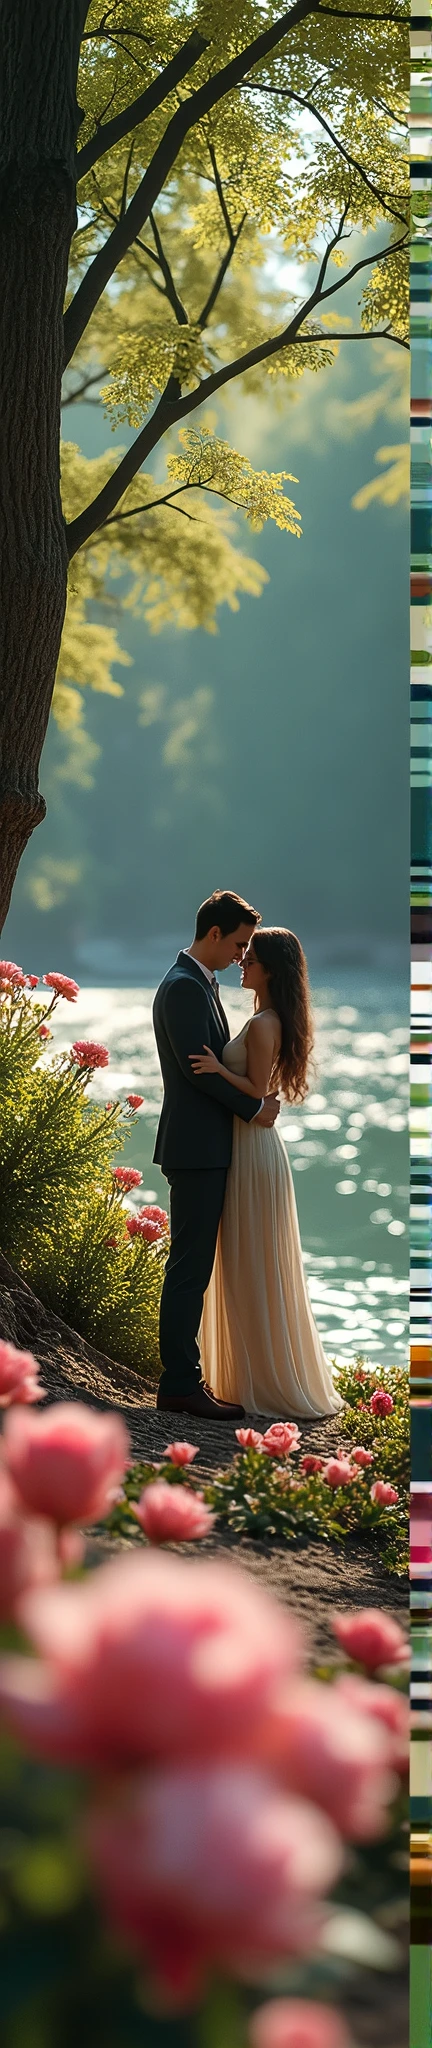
{"type": "Point", "coordinates": [58, 1201]}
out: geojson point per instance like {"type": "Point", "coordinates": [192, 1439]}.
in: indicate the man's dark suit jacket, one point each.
{"type": "Point", "coordinates": [196, 1124]}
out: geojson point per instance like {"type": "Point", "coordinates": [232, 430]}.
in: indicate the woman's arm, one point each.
{"type": "Point", "coordinates": [261, 1048]}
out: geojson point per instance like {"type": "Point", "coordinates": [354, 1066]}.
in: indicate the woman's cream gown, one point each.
{"type": "Point", "coordinates": [259, 1343]}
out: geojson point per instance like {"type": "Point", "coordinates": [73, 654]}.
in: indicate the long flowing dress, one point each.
{"type": "Point", "coordinates": [259, 1342]}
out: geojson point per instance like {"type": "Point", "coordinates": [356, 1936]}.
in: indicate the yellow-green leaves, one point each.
{"type": "Point", "coordinates": [212, 465]}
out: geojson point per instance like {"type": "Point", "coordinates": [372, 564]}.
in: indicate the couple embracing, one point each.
{"type": "Point", "coordinates": [237, 1332]}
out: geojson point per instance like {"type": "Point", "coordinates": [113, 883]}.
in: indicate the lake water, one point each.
{"type": "Point", "coordinates": [348, 1144]}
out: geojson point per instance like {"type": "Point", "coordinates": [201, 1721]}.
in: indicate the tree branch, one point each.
{"type": "Point", "coordinates": [80, 389]}
{"type": "Point", "coordinates": [187, 115]}
{"type": "Point", "coordinates": [171, 289]}
{"type": "Point", "coordinates": [285, 92]}
{"type": "Point", "coordinates": [169, 410]}
{"type": "Point", "coordinates": [110, 132]}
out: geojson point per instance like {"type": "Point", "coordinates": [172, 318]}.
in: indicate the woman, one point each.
{"type": "Point", "coordinates": [259, 1343]}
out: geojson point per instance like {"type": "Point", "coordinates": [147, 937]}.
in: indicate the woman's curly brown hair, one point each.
{"type": "Point", "coordinates": [280, 954]}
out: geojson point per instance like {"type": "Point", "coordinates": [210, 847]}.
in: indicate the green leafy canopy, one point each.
{"type": "Point", "coordinates": [232, 159]}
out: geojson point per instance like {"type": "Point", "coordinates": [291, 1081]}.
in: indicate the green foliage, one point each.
{"type": "Point", "coordinates": [306, 147]}
{"type": "Point", "coordinates": [58, 1201]}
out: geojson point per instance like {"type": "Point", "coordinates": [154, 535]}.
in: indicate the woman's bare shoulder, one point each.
{"type": "Point", "coordinates": [267, 1023]}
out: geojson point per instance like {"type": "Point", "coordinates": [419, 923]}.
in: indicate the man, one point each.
{"type": "Point", "coordinates": [194, 1141]}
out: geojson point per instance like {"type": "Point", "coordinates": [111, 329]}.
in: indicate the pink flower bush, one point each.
{"type": "Point", "coordinates": [339, 1472]}
{"type": "Point", "coordinates": [151, 1657]}
{"type": "Point", "coordinates": [181, 1453]}
{"type": "Point", "coordinates": [282, 1438]}
{"type": "Point", "coordinates": [10, 973]}
{"type": "Point", "coordinates": [135, 1101]}
{"type": "Point", "coordinates": [87, 1053]}
{"type": "Point", "coordinates": [27, 1551]}
{"type": "Point", "coordinates": [337, 1758]}
{"type": "Point", "coordinates": [211, 1867]}
{"type": "Point", "coordinates": [43, 1031]}
{"type": "Point", "coordinates": [65, 1463]}
{"type": "Point", "coordinates": [32, 980]}
{"type": "Point", "coordinates": [127, 1177]}
{"type": "Point", "coordinates": [63, 986]}
{"type": "Point", "coordinates": [311, 1464]}
{"type": "Point", "coordinates": [361, 1457]}
{"type": "Point", "coordinates": [250, 1439]}
{"type": "Point", "coordinates": [383, 1493]}
{"type": "Point", "coordinates": [19, 1381]}
{"type": "Point", "coordinates": [387, 1705]}
{"type": "Point", "coordinates": [297, 2023]}
{"type": "Point", "coordinates": [381, 1403]}
{"type": "Point", "coordinates": [172, 1514]}
{"type": "Point", "coordinates": [360, 1373]}
{"type": "Point", "coordinates": [370, 1638]}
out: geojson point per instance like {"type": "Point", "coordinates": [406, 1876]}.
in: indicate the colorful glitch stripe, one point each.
{"type": "Point", "coordinates": [421, 1027]}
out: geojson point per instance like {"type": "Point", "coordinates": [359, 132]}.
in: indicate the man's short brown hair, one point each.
{"type": "Point", "coordinates": [226, 910]}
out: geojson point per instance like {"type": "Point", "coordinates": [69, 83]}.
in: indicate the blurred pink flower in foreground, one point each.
{"type": "Point", "coordinates": [181, 1453]}
{"type": "Point", "coordinates": [151, 1657]}
{"type": "Point", "coordinates": [384, 1494]}
{"type": "Point", "coordinates": [370, 1638]}
{"type": "Point", "coordinates": [297, 2023]}
{"type": "Point", "coordinates": [337, 1758]}
{"type": "Point", "coordinates": [339, 1472]}
{"type": "Point", "coordinates": [63, 986]}
{"type": "Point", "coordinates": [361, 1457]}
{"type": "Point", "coordinates": [386, 1704]}
{"type": "Point", "coordinates": [310, 1464]}
{"type": "Point", "coordinates": [381, 1403]}
{"type": "Point", "coordinates": [172, 1514]}
{"type": "Point", "coordinates": [211, 1866]}
{"type": "Point", "coordinates": [27, 1551]}
{"type": "Point", "coordinates": [282, 1438]}
{"type": "Point", "coordinates": [135, 1101]}
{"type": "Point", "coordinates": [250, 1439]}
{"type": "Point", "coordinates": [88, 1053]}
{"type": "Point", "coordinates": [127, 1177]}
{"type": "Point", "coordinates": [66, 1462]}
{"type": "Point", "coordinates": [18, 1376]}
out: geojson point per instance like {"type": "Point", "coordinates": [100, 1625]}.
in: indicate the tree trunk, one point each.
{"type": "Point", "coordinates": [39, 121]}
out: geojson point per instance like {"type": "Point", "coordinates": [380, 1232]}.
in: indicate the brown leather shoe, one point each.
{"type": "Point", "coordinates": [199, 1403]}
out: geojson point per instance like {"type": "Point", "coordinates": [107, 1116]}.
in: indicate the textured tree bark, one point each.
{"type": "Point", "coordinates": [39, 121]}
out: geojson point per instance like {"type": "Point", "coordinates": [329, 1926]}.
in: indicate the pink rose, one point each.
{"type": "Point", "coordinates": [181, 1453]}
{"type": "Point", "coordinates": [19, 1381]}
{"type": "Point", "coordinates": [27, 1551]}
{"type": "Point", "coordinates": [151, 1656]}
{"type": "Point", "coordinates": [172, 1514]}
{"type": "Point", "coordinates": [370, 1638]}
{"type": "Point", "coordinates": [63, 986]}
{"type": "Point", "coordinates": [337, 1758]}
{"type": "Point", "coordinates": [250, 1439]}
{"type": "Point", "coordinates": [156, 1215]}
{"type": "Point", "coordinates": [381, 1403]}
{"type": "Point", "coordinates": [296, 2023]}
{"type": "Point", "coordinates": [310, 1464]}
{"type": "Point", "coordinates": [387, 1705]}
{"type": "Point", "coordinates": [87, 1053]}
{"type": "Point", "coordinates": [339, 1472]}
{"type": "Point", "coordinates": [135, 1101]}
{"type": "Point", "coordinates": [127, 1177]}
{"type": "Point", "coordinates": [66, 1462]}
{"type": "Point", "coordinates": [384, 1494]}
{"type": "Point", "coordinates": [362, 1457]}
{"type": "Point", "coordinates": [280, 1439]}
{"type": "Point", "coordinates": [211, 1868]}
{"type": "Point", "coordinates": [9, 972]}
